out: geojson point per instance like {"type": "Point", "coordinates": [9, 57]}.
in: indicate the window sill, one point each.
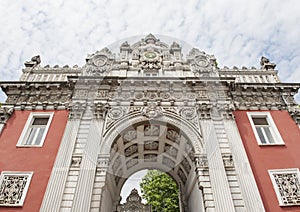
{"type": "Point", "coordinates": [271, 144]}
{"type": "Point", "coordinates": [28, 146]}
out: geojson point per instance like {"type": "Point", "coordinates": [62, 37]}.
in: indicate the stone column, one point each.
{"type": "Point", "coordinates": [246, 178]}
{"type": "Point", "coordinates": [56, 184]}
{"type": "Point", "coordinates": [220, 186]}
{"type": "Point", "coordinates": [83, 195]}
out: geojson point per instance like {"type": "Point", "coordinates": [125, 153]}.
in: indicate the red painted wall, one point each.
{"type": "Point", "coordinates": [264, 158]}
{"type": "Point", "coordinates": [40, 160]}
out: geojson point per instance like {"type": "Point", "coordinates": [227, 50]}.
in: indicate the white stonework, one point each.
{"type": "Point", "coordinates": [150, 106]}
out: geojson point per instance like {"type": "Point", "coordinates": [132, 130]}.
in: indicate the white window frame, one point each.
{"type": "Point", "coordinates": [275, 186]}
{"type": "Point", "coordinates": [273, 129]}
{"type": "Point", "coordinates": [25, 133]}
{"type": "Point", "coordinates": [25, 190]}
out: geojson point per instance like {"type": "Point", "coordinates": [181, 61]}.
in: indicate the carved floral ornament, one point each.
{"type": "Point", "coordinates": [13, 188]}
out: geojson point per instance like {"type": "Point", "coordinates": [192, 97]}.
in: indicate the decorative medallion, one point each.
{"type": "Point", "coordinates": [115, 113]}
{"type": "Point", "coordinates": [201, 61]}
{"type": "Point", "coordinates": [150, 55]}
{"type": "Point", "coordinates": [188, 113]}
{"type": "Point", "coordinates": [100, 60]}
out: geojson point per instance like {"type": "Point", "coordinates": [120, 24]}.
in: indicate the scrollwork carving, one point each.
{"type": "Point", "coordinates": [5, 113]}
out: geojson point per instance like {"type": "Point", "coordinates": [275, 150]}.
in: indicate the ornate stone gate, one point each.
{"type": "Point", "coordinates": [150, 107]}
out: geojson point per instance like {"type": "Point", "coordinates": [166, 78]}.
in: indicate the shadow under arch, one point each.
{"type": "Point", "coordinates": [167, 143]}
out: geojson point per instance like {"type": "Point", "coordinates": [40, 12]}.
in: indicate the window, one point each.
{"type": "Point", "coordinates": [35, 130]}
{"type": "Point", "coordinates": [264, 128]}
{"type": "Point", "coordinates": [13, 187]}
{"type": "Point", "coordinates": [286, 183]}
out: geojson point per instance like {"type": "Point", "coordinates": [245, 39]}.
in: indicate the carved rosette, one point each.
{"type": "Point", "coordinates": [99, 63]}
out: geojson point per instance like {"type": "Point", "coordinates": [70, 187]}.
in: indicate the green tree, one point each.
{"type": "Point", "coordinates": [160, 190]}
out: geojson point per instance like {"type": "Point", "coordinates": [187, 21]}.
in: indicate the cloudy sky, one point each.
{"type": "Point", "coordinates": [237, 32]}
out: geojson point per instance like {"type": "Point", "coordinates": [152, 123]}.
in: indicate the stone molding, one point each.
{"type": "Point", "coordinates": [38, 95]}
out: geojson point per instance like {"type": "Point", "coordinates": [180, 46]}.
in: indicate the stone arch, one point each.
{"type": "Point", "coordinates": [187, 128]}
{"type": "Point", "coordinates": [167, 143]}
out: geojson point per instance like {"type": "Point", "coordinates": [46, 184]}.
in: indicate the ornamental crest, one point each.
{"type": "Point", "coordinates": [201, 63]}
{"type": "Point", "coordinates": [150, 60]}
{"type": "Point", "coordinates": [99, 63]}
{"type": "Point", "coordinates": [152, 111]}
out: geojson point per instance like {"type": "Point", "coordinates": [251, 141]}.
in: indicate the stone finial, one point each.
{"type": "Point", "coordinates": [125, 46]}
{"type": "Point", "coordinates": [265, 64]}
{"type": "Point", "coordinates": [35, 60]}
{"type": "Point", "coordinates": [150, 39]}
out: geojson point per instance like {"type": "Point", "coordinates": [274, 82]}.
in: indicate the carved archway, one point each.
{"type": "Point", "coordinates": [164, 142]}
